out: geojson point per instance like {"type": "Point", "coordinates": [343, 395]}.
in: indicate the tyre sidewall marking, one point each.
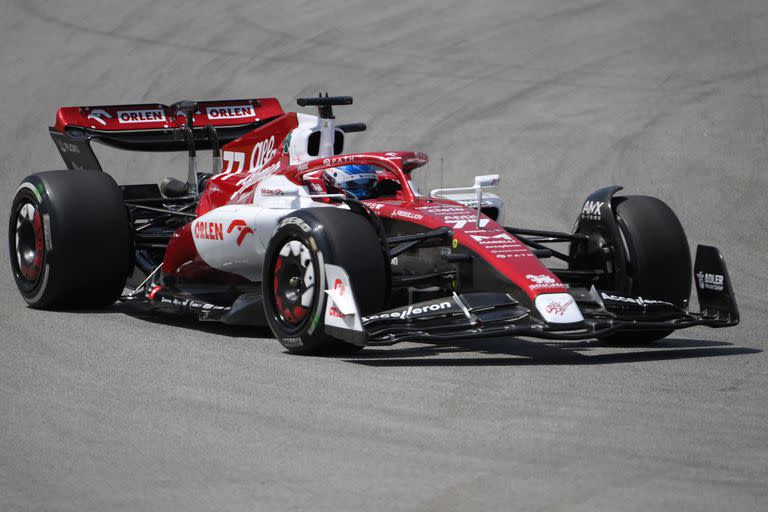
{"type": "Point", "coordinates": [30, 193]}
{"type": "Point", "coordinates": [301, 234]}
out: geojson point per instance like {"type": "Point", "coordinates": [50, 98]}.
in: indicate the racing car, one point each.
{"type": "Point", "coordinates": [336, 251]}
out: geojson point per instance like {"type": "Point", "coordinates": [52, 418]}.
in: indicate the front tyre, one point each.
{"type": "Point", "coordinates": [658, 258]}
{"type": "Point", "coordinates": [294, 280]}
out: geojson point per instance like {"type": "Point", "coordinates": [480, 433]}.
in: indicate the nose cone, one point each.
{"type": "Point", "coordinates": [558, 308]}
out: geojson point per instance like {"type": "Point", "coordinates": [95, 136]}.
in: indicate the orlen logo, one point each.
{"type": "Point", "coordinates": [141, 116]}
{"type": "Point", "coordinates": [208, 230]}
{"type": "Point", "coordinates": [242, 229]}
{"type": "Point", "coordinates": [230, 112]}
{"type": "Point", "coordinates": [263, 152]}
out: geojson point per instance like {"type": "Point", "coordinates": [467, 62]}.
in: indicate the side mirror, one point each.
{"type": "Point", "coordinates": [481, 182]}
{"type": "Point", "coordinates": [488, 180]}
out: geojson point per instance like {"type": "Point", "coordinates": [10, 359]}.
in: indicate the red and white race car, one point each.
{"type": "Point", "coordinates": [338, 251]}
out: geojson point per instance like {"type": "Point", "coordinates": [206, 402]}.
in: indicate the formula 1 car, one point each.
{"type": "Point", "coordinates": [267, 237]}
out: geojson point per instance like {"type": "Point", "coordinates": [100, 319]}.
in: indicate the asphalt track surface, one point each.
{"type": "Point", "coordinates": [109, 410]}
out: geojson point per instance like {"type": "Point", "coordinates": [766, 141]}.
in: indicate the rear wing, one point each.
{"type": "Point", "coordinates": [156, 127]}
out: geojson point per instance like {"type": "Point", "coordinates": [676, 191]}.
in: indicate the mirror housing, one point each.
{"type": "Point", "coordinates": [487, 180]}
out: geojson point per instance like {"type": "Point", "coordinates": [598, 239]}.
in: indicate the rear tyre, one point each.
{"type": "Point", "coordinates": [658, 258]}
{"type": "Point", "coordinates": [293, 283]}
{"type": "Point", "coordinates": [69, 240]}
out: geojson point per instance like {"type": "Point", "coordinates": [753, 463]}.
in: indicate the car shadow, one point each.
{"type": "Point", "coordinates": [503, 351]}
{"type": "Point", "coordinates": [190, 321]}
{"type": "Point", "coordinates": [519, 352]}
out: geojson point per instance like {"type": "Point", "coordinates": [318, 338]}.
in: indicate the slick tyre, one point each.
{"type": "Point", "coordinates": [658, 258]}
{"type": "Point", "coordinates": [69, 240]}
{"type": "Point", "coordinates": [294, 277]}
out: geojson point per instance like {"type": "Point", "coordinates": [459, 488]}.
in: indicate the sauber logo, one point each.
{"type": "Point", "coordinates": [230, 112]}
{"type": "Point", "coordinates": [540, 278]}
{"type": "Point", "coordinates": [242, 229]}
{"type": "Point", "coordinates": [558, 308]}
{"type": "Point", "coordinates": [141, 116]}
{"type": "Point", "coordinates": [542, 281]}
{"type": "Point", "coordinates": [208, 230]}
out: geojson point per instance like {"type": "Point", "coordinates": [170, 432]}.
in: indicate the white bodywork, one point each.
{"type": "Point", "coordinates": [298, 145]}
{"type": "Point", "coordinates": [341, 309]}
{"type": "Point", "coordinates": [234, 238]}
{"type": "Point", "coordinates": [275, 197]}
{"type": "Point", "coordinates": [558, 308]}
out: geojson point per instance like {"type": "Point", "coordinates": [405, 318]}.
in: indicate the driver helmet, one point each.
{"type": "Point", "coordinates": [357, 180]}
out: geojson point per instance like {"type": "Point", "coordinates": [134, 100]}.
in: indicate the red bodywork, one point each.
{"type": "Point", "coordinates": [261, 153]}
{"type": "Point", "coordinates": [154, 116]}
{"type": "Point", "coordinates": [510, 257]}
{"type": "Point", "coordinates": [263, 149]}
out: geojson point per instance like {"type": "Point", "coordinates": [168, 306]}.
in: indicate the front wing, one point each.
{"type": "Point", "coordinates": [477, 315]}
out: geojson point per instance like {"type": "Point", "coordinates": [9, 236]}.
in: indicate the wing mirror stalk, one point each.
{"type": "Point", "coordinates": [481, 182]}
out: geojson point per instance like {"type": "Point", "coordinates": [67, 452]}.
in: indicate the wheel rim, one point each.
{"type": "Point", "coordinates": [293, 283]}
{"type": "Point", "coordinates": [29, 242]}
